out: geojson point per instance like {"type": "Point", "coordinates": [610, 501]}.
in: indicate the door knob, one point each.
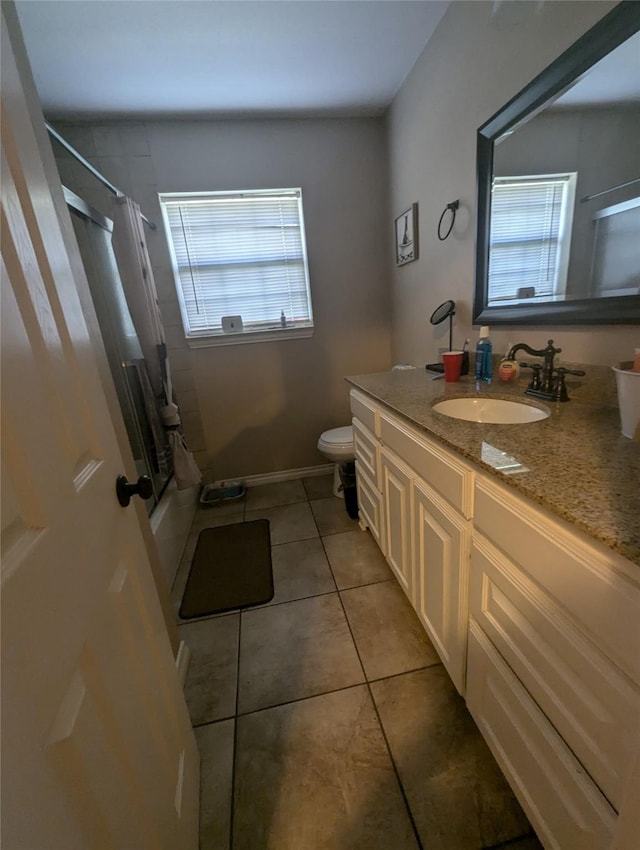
{"type": "Point", "coordinates": [124, 491]}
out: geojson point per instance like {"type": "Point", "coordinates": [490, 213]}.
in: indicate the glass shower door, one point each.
{"type": "Point", "coordinates": [147, 437]}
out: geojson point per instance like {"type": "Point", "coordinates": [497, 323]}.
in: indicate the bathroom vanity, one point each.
{"type": "Point", "coordinates": [519, 548]}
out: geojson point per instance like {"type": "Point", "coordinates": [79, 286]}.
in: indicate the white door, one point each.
{"type": "Point", "coordinates": [97, 747]}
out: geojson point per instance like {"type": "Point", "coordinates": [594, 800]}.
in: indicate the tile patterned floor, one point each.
{"type": "Point", "coordinates": [324, 718]}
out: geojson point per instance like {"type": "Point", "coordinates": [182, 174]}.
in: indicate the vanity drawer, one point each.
{"type": "Point", "coordinates": [590, 702]}
{"type": "Point", "coordinates": [434, 464]}
{"type": "Point", "coordinates": [564, 806]}
{"type": "Point", "coordinates": [370, 508]}
{"type": "Point", "coordinates": [366, 410]}
{"type": "Point", "coordinates": [367, 452]}
{"type": "Point", "coordinates": [599, 589]}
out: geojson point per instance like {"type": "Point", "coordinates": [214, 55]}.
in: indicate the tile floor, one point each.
{"type": "Point", "coordinates": [324, 719]}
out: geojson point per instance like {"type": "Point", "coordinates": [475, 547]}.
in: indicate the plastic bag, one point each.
{"type": "Point", "coordinates": [184, 466]}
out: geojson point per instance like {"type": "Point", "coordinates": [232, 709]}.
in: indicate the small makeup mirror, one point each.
{"type": "Point", "coordinates": [446, 310]}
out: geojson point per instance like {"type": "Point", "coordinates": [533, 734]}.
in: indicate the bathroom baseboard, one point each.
{"type": "Point", "coordinates": [182, 662]}
{"type": "Point", "coordinates": [284, 475]}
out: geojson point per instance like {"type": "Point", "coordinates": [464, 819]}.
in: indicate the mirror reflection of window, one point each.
{"type": "Point", "coordinates": [530, 236]}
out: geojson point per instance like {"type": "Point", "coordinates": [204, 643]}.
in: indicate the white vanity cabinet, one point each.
{"type": "Point", "coordinates": [439, 493]}
{"type": "Point", "coordinates": [553, 676]}
{"type": "Point", "coordinates": [422, 497]}
{"type": "Point", "coordinates": [368, 481]}
{"type": "Point", "coordinates": [441, 539]}
{"type": "Point", "coordinates": [366, 426]}
{"type": "Point", "coordinates": [537, 624]}
{"type": "Point", "coordinates": [396, 513]}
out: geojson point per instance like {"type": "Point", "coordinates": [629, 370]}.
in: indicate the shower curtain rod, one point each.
{"type": "Point", "coordinates": [612, 189]}
{"type": "Point", "coordinates": [74, 153]}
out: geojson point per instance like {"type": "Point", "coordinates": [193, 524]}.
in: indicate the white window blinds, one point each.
{"type": "Point", "coordinates": [530, 233]}
{"type": "Point", "coordinates": [239, 254]}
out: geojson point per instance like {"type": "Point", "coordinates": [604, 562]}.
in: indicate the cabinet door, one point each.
{"type": "Point", "coordinates": [396, 495]}
{"type": "Point", "coordinates": [441, 545]}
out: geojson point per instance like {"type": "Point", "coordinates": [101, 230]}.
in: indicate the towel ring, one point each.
{"type": "Point", "coordinates": [453, 206]}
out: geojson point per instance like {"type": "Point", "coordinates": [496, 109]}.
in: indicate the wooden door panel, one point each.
{"type": "Point", "coordinates": [48, 337]}
{"type": "Point", "coordinates": [98, 749]}
{"type": "Point", "coordinates": [86, 753]}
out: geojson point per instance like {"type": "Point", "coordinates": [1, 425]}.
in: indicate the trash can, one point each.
{"type": "Point", "coordinates": [348, 481]}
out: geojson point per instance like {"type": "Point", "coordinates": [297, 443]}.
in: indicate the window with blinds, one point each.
{"type": "Point", "coordinates": [240, 263]}
{"type": "Point", "coordinates": [530, 235]}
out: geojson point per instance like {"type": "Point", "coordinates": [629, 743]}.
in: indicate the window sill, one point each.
{"type": "Point", "coordinates": [248, 337]}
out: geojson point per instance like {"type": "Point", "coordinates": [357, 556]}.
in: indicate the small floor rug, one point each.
{"type": "Point", "coordinates": [231, 568]}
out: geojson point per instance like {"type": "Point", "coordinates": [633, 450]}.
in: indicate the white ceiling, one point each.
{"type": "Point", "coordinates": [235, 58]}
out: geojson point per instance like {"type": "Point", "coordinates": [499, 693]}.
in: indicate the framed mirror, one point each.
{"type": "Point", "coordinates": [558, 228]}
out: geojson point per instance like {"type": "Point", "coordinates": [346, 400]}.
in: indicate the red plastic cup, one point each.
{"type": "Point", "coordinates": [452, 365]}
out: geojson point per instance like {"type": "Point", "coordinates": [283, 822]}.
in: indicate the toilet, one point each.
{"type": "Point", "coordinates": [336, 445]}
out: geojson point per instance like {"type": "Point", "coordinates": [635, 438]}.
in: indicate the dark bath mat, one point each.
{"type": "Point", "coordinates": [231, 568]}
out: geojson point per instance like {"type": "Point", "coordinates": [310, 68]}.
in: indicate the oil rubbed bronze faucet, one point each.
{"type": "Point", "coordinates": [546, 382]}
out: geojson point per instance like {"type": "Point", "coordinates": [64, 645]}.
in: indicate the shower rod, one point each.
{"type": "Point", "coordinates": [74, 153]}
{"type": "Point", "coordinates": [612, 189]}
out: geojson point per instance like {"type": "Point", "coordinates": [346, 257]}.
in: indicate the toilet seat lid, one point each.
{"type": "Point", "coordinates": [338, 436]}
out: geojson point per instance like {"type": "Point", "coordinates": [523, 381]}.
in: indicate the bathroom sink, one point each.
{"type": "Point", "coordinates": [496, 411]}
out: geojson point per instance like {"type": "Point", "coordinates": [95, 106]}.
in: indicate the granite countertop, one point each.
{"type": "Point", "coordinates": [579, 466]}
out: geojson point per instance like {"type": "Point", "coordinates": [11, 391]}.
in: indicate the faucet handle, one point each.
{"type": "Point", "coordinates": [560, 390]}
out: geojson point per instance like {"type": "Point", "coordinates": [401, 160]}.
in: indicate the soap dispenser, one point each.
{"type": "Point", "coordinates": [484, 360]}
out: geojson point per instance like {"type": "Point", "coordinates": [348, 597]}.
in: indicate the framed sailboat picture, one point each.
{"type": "Point", "coordinates": [407, 236]}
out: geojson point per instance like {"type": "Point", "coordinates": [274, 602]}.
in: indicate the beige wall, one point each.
{"type": "Point", "coordinates": [254, 409]}
{"type": "Point", "coordinates": [259, 408]}
{"type": "Point", "coordinates": [480, 56]}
